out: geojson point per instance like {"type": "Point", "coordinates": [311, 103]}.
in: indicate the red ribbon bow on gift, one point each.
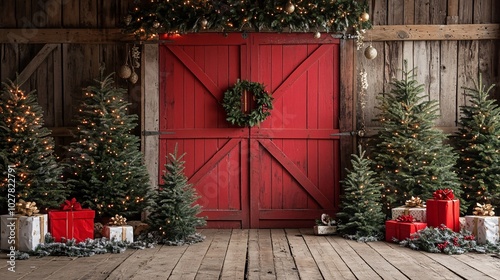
{"type": "Point", "coordinates": [71, 205]}
{"type": "Point", "coordinates": [406, 219]}
{"type": "Point", "coordinates": [444, 194]}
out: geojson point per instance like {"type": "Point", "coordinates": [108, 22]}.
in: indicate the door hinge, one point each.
{"type": "Point", "coordinates": [150, 132]}
{"type": "Point", "coordinates": [359, 133]}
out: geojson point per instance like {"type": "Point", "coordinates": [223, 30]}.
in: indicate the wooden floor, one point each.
{"type": "Point", "coordinates": [262, 254]}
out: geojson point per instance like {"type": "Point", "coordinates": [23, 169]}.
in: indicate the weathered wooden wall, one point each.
{"type": "Point", "coordinates": [68, 68]}
{"type": "Point", "coordinates": [443, 66]}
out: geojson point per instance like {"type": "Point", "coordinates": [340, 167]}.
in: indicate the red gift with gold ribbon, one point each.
{"type": "Point", "coordinates": [444, 209]}
{"type": "Point", "coordinates": [401, 228]}
{"type": "Point", "coordinates": [71, 222]}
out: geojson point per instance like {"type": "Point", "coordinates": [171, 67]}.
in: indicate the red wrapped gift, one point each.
{"type": "Point", "coordinates": [72, 222]}
{"type": "Point", "coordinates": [444, 210]}
{"type": "Point", "coordinates": [401, 230]}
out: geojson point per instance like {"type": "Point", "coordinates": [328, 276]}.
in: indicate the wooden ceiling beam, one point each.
{"type": "Point", "coordinates": [449, 32]}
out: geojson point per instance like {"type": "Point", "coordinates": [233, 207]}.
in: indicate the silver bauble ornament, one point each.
{"type": "Point", "coordinates": [364, 17]}
{"type": "Point", "coordinates": [133, 78]}
{"type": "Point", "coordinates": [370, 52]}
{"type": "Point", "coordinates": [125, 72]}
{"type": "Point", "coordinates": [203, 23]}
{"type": "Point", "coordinates": [289, 7]}
{"type": "Point", "coordinates": [317, 35]}
{"type": "Point", "coordinates": [156, 24]}
{"type": "Point", "coordinates": [127, 19]}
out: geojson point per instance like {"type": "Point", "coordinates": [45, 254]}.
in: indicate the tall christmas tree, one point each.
{"type": "Point", "coordinates": [478, 145]}
{"type": "Point", "coordinates": [411, 156]}
{"type": "Point", "coordinates": [27, 147]}
{"type": "Point", "coordinates": [172, 206]}
{"type": "Point", "coordinates": [106, 168]}
{"type": "Point", "coordinates": [361, 213]}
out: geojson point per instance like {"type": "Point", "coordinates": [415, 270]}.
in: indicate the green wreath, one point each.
{"type": "Point", "coordinates": [232, 103]}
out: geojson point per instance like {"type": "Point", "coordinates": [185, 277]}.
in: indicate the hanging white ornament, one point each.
{"type": "Point", "coordinates": [156, 24]}
{"type": "Point", "coordinates": [289, 7]}
{"type": "Point", "coordinates": [317, 35]}
{"type": "Point", "coordinates": [364, 17]}
{"type": "Point", "coordinates": [203, 23]}
{"type": "Point", "coordinates": [370, 52]}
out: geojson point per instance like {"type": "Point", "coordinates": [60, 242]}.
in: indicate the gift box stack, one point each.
{"type": "Point", "coordinates": [25, 230]}
{"type": "Point", "coordinates": [483, 224]}
{"type": "Point", "coordinates": [71, 222]}
{"type": "Point", "coordinates": [406, 220]}
{"type": "Point", "coordinates": [444, 209]}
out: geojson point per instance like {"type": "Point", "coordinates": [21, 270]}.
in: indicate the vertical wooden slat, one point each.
{"type": "Point", "coordinates": [150, 115]}
{"type": "Point", "coordinates": [8, 52]}
{"type": "Point", "coordinates": [347, 102]}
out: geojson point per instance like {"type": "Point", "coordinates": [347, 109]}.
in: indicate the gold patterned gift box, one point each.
{"type": "Point", "coordinates": [23, 233]}
{"type": "Point", "coordinates": [119, 233]}
{"type": "Point", "coordinates": [485, 228]}
{"type": "Point", "coordinates": [419, 213]}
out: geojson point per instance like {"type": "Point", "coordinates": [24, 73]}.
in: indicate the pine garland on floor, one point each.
{"type": "Point", "coordinates": [445, 240]}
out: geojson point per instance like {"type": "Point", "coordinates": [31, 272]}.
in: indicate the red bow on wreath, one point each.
{"type": "Point", "coordinates": [71, 205]}
{"type": "Point", "coordinates": [406, 219]}
{"type": "Point", "coordinates": [444, 194]}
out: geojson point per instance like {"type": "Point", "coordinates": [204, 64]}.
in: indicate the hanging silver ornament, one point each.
{"type": "Point", "coordinates": [317, 35]}
{"type": "Point", "coordinates": [156, 24]}
{"type": "Point", "coordinates": [203, 23]}
{"type": "Point", "coordinates": [125, 72]}
{"type": "Point", "coordinates": [127, 19]}
{"type": "Point", "coordinates": [364, 17]}
{"type": "Point", "coordinates": [133, 78]}
{"type": "Point", "coordinates": [370, 52]}
{"type": "Point", "coordinates": [289, 7]}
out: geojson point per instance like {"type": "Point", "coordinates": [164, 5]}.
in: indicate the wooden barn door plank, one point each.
{"type": "Point", "coordinates": [35, 63]}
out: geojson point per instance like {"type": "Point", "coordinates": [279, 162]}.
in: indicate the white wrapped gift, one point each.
{"type": "Point", "coordinates": [119, 233]}
{"type": "Point", "coordinates": [419, 213]}
{"type": "Point", "coordinates": [23, 233]}
{"type": "Point", "coordinates": [485, 228]}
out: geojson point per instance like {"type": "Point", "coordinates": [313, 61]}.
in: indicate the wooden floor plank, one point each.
{"type": "Point", "coordinates": [328, 260]}
{"type": "Point", "coordinates": [412, 263]}
{"type": "Point", "coordinates": [235, 261]}
{"type": "Point", "coordinates": [260, 257]}
{"type": "Point", "coordinates": [458, 267]}
{"type": "Point", "coordinates": [284, 265]}
{"type": "Point", "coordinates": [77, 267]}
{"type": "Point", "coordinates": [108, 263]}
{"type": "Point", "coordinates": [190, 261]}
{"type": "Point", "coordinates": [357, 265]}
{"type": "Point", "coordinates": [305, 262]}
{"type": "Point", "coordinates": [211, 265]}
{"type": "Point", "coordinates": [161, 266]}
{"type": "Point", "coordinates": [37, 268]}
{"type": "Point", "coordinates": [490, 267]}
{"type": "Point", "coordinates": [134, 263]}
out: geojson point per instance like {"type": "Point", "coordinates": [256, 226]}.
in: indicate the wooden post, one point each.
{"type": "Point", "coordinates": [150, 112]}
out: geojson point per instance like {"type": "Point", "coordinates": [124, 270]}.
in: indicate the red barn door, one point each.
{"type": "Point", "coordinates": [284, 173]}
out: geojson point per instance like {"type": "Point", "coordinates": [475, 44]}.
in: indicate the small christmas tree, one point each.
{"type": "Point", "coordinates": [411, 156]}
{"type": "Point", "coordinates": [361, 215]}
{"type": "Point", "coordinates": [106, 169]}
{"type": "Point", "coordinates": [173, 213]}
{"type": "Point", "coordinates": [27, 148]}
{"type": "Point", "coordinates": [478, 146]}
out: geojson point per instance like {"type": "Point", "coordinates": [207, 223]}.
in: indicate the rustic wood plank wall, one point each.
{"type": "Point", "coordinates": [60, 77]}
{"type": "Point", "coordinates": [444, 67]}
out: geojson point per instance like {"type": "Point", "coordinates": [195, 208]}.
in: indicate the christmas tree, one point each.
{"type": "Point", "coordinates": [411, 156]}
{"type": "Point", "coordinates": [478, 146]}
{"type": "Point", "coordinates": [106, 169]}
{"type": "Point", "coordinates": [361, 215]}
{"type": "Point", "coordinates": [29, 167]}
{"type": "Point", "coordinates": [172, 206]}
